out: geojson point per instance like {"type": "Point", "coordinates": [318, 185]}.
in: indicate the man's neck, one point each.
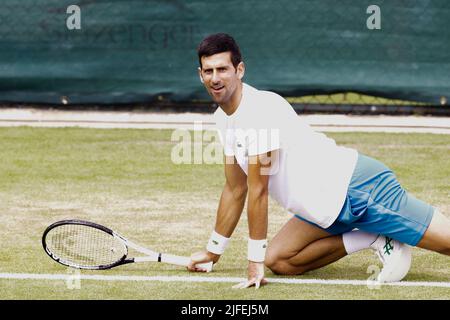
{"type": "Point", "coordinates": [230, 107]}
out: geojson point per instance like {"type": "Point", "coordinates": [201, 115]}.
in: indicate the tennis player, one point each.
{"type": "Point", "coordinates": [342, 201]}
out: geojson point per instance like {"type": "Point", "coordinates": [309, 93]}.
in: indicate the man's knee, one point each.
{"type": "Point", "coordinates": [280, 266]}
{"type": "Point", "coordinates": [273, 264]}
{"type": "Point", "coordinates": [273, 261]}
{"type": "Point", "coordinates": [437, 236]}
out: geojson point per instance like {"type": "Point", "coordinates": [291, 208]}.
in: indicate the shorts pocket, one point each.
{"type": "Point", "coordinates": [358, 201]}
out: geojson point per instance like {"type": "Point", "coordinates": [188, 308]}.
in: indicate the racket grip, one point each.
{"type": "Point", "coordinates": [207, 266]}
{"type": "Point", "coordinates": [184, 261]}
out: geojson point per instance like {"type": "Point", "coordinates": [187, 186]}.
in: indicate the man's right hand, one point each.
{"type": "Point", "coordinates": [202, 257]}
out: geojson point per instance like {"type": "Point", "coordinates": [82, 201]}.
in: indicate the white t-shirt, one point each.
{"type": "Point", "coordinates": [311, 175]}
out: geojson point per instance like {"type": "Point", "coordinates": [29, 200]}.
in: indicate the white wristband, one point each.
{"type": "Point", "coordinates": [257, 250]}
{"type": "Point", "coordinates": [217, 243]}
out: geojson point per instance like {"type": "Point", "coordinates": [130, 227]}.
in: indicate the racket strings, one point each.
{"type": "Point", "coordinates": [85, 246]}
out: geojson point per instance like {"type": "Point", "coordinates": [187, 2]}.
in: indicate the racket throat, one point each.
{"type": "Point", "coordinates": [129, 260]}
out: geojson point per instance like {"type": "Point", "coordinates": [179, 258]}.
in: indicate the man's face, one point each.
{"type": "Point", "coordinates": [220, 77]}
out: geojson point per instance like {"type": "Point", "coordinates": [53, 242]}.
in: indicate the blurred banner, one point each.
{"type": "Point", "coordinates": [140, 51]}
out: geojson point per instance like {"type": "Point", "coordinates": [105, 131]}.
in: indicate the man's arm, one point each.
{"type": "Point", "coordinates": [230, 208]}
{"type": "Point", "coordinates": [258, 192]}
{"type": "Point", "coordinates": [257, 206]}
{"type": "Point", "coordinates": [233, 198]}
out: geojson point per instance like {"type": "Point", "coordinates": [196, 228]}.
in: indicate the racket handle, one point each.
{"type": "Point", "coordinates": [207, 266]}
{"type": "Point", "coordinates": [184, 261]}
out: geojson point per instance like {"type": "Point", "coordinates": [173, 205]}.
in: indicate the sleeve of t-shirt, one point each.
{"type": "Point", "coordinates": [265, 132]}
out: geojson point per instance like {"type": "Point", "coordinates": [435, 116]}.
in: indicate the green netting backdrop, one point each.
{"type": "Point", "coordinates": [134, 51]}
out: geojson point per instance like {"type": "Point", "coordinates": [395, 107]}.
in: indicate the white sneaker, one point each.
{"type": "Point", "coordinates": [395, 256]}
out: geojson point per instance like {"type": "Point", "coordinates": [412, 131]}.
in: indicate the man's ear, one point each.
{"type": "Point", "coordinates": [200, 75]}
{"type": "Point", "coordinates": [240, 70]}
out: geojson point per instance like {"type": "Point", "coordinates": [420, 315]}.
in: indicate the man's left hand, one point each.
{"type": "Point", "coordinates": [255, 276]}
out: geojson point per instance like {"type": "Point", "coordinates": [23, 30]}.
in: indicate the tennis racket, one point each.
{"type": "Point", "coordinates": [87, 245]}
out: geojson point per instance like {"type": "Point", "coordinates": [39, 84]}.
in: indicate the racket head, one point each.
{"type": "Point", "coordinates": [84, 245]}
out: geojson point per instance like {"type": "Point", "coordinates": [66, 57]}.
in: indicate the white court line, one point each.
{"type": "Point", "coordinates": [32, 276]}
{"type": "Point", "coordinates": [157, 120]}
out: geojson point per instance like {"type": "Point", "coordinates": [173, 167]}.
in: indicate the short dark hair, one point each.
{"type": "Point", "coordinates": [218, 43]}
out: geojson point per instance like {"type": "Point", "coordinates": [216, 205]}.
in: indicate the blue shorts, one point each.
{"type": "Point", "coordinates": [377, 203]}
